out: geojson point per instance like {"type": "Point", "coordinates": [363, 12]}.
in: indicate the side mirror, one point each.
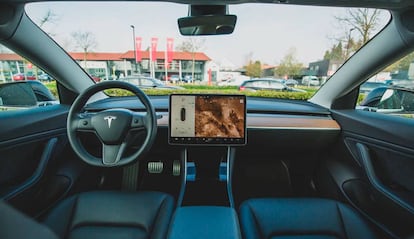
{"type": "Point", "coordinates": [390, 100]}
{"type": "Point", "coordinates": [17, 95]}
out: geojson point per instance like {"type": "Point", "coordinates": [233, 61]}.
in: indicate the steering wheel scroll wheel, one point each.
{"type": "Point", "coordinates": [113, 127]}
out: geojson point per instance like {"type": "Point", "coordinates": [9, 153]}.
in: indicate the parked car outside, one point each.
{"type": "Point", "coordinates": [291, 82]}
{"type": "Point", "coordinates": [45, 77]}
{"type": "Point", "coordinates": [148, 83]}
{"type": "Point", "coordinates": [21, 76]}
{"type": "Point", "coordinates": [175, 79]}
{"type": "Point", "coordinates": [310, 81]}
{"type": "Point", "coordinates": [266, 84]}
{"type": "Point", "coordinates": [188, 79]}
{"type": "Point", "coordinates": [96, 78]}
{"type": "Point", "coordinates": [231, 82]}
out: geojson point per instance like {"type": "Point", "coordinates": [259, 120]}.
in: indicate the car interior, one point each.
{"type": "Point", "coordinates": [217, 165]}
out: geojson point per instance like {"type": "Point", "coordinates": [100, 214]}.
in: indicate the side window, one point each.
{"type": "Point", "coordinates": [261, 84]}
{"type": "Point", "coordinates": [23, 85]}
{"type": "Point", "coordinates": [391, 91]}
{"type": "Point", "coordinates": [146, 82]}
{"type": "Point", "coordinates": [276, 85]}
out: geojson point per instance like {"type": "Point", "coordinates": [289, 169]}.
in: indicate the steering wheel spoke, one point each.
{"type": "Point", "coordinates": [82, 122]}
{"type": "Point", "coordinates": [111, 154]}
{"type": "Point", "coordinates": [139, 121]}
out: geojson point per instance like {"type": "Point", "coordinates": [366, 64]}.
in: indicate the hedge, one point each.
{"type": "Point", "coordinates": [204, 89]}
{"type": "Point", "coordinates": [267, 94]}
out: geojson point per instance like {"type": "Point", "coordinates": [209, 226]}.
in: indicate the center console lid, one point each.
{"type": "Point", "coordinates": [204, 222]}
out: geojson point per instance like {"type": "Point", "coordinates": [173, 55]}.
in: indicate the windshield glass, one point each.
{"type": "Point", "coordinates": [296, 46]}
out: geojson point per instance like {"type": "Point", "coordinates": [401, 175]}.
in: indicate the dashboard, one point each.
{"type": "Point", "coordinates": [268, 122]}
{"type": "Point", "coordinates": [261, 113]}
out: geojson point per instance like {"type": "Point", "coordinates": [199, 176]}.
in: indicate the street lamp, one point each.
{"type": "Point", "coordinates": [135, 50]}
{"type": "Point", "coordinates": [348, 43]}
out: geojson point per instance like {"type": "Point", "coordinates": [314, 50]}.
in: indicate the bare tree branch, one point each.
{"type": "Point", "coordinates": [85, 41]}
{"type": "Point", "coordinates": [191, 45]}
{"type": "Point", "coordinates": [49, 17]}
{"type": "Point", "coordinates": [365, 21]}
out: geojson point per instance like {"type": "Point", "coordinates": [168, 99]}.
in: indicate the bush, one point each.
{"type": "Point", "coordinates": [53, 89]}
{"type": "Point", "coordinates": [205, 89]}
{"type": "Point", "coordinates": [267, 94]}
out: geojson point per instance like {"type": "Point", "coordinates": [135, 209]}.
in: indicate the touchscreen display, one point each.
{"type": "Point", "coordinates": [207, 119]}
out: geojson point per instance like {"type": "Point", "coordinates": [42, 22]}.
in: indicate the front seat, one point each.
{"type": "Point", "coordinates": [296, 218]}
{"type": "Point", "coordinates": [104, 215]}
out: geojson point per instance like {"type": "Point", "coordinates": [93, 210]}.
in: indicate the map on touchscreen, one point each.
{"type": "Point", "coordinates": [207, 119]}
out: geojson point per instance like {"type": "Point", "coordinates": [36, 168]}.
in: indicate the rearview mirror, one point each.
{"type": "Point", "coordinates": [207, 25]}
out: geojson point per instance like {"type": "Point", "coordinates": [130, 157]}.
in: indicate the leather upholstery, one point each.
{"type": "Point", "coordinates": [120, 215]}
{"type": "Point", "coordinates": [200, 222]}
{"type": "Point", "coordinates": [301, 218]}
{"type": "Point", "coordinates": [15, 225]}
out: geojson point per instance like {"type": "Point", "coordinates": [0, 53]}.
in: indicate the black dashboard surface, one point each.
{"type": "Point", "coordinates": [254, 105]}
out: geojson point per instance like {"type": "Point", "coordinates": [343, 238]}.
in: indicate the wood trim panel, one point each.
{"type": "Point", "coordinates": [305, 122]}
{"type": "Point", "coordinates": [280, 122]}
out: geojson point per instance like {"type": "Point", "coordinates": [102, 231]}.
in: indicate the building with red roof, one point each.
{"type": "Point", "coordinates": [109, 65]}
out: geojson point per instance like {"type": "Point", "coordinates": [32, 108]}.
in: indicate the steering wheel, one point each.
{"type": "Point", "coordinates": [113, 127]}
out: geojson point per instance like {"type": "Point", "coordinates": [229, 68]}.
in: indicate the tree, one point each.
{"type": "Point", "coordinates": [336, 53]}
{"type": "Point", "coordinates": [403, 64]}
{"type": "Point", "coordinates": [84, 41]}
{"type": "Point", "coordinates": [254, 69]}
{"type": "Point", "coordinates": [49, 17]}
{"type": "Point", "coordinates": [289, 66]}
{"type": "Point", "coordinates": [365, 21]}
{"type": "Point", "coordinates": [191, 45]}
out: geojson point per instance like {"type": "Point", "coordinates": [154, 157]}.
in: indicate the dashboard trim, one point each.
{"type": "Point", "coordinates": [288, 122]}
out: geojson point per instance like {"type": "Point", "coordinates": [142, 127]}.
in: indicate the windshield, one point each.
{"type": "Point", "coordinates": [297, 45]}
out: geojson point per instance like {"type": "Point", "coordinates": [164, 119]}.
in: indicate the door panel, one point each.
{"type": "Point", "coordinates": [31, 144]}
{"type": "Point", "coordinates": [381, 148]}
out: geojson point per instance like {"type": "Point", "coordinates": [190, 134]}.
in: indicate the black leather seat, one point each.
{"type": "Point", "coordinates": [119, 215]}
{"type": "Point", "coordinates": [295, 218]}
{"type": "Point", "coordinates": [16, 225]}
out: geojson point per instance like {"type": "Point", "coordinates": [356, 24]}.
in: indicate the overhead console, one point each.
{"type": "Point", "coordinates": [208, 119]}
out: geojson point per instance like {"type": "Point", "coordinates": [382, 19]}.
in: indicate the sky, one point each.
{"type": "Point", "coordinates": [265, 33]}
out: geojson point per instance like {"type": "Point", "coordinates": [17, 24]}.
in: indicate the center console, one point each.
{"type": "Point", "coordinates": [209, 127]}
{"type": "Point", "coordinates": [204, 222]}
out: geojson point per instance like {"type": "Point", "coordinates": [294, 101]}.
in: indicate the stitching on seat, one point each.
{"type": "Point", "coordinates": [157, 215]}
{"type": "Point", "coordinates": [72, 213]}
{"type": "Point", "coordinates": [123, 225]}
{"type": "Point", "coordinates": [256, 222]}
{"type": "Point", "coordinates": [341, 219]}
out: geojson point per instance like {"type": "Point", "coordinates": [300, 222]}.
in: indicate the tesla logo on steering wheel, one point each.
{"type": "Point", "coordinates": [109, 119]}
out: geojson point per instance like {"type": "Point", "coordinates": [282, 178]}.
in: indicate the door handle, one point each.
{"type": "Point", "coordinates": [375, 181]}
{"type": "Point", "coordinates": [37, 174]}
